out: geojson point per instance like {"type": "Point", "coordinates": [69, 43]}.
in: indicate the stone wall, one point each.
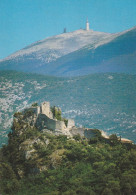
{"type": "Point", "coordinates": [83, 132]}
{"type": "Point", "coordinates": [38, 110]}
{"type": "Point", "coordinates": [77, 130]}
{"type": "Point", "coordinates": [71, 123]}
{"type": "Point", "coordinates": [44, 108]}
{"type": "Point", "coordinates": [44, 122]}
{"type": "Point", "coordinates": [89, 133]}
{"type": "Point", "coordinates": [60, 125]}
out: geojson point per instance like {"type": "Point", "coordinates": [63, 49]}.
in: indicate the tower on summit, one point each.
{"type": "Point", "coordinates": [87, 25]}
{"type": "Point", "coordinates": [64, 30]}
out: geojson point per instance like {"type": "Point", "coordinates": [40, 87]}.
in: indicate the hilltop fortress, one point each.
{"type": "Point", "coordinates": [49, 119]}
{"type": "Point", "coordinates": [46, 119]}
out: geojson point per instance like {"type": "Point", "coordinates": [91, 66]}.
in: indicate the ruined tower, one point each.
{"type": "Point", "coordinates": [45, 109]}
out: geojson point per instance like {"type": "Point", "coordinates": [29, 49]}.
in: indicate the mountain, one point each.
{"type": "Point", "coordinates": [116, 53]}
{"type": "Point", "coordinates": [42, 53]}
{"type": "Point", "coordinates": [103, 101]}
{"type": "Point", "coordinates": [77, 53]}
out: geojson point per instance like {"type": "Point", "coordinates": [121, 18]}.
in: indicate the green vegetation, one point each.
{"type": "Point", "coordinates": [28, 113]}
{"type": "Point", "coordinates": [35, 104]}
{"type": "Point", "coordinates": [65, 121]}
{"type": "Point", "coordinates": [36, 163]}
{"type": "Point", "coordinates": [57, 114]}
{"type": "Point", "coordinates": [17, 114]}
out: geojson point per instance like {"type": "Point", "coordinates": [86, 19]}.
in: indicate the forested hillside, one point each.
{"type": "Point", "coordinates": [36, 163]}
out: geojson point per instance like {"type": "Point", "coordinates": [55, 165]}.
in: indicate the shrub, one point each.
{"type": "Point", "coordinates": [114, 139]}
{"type": "Point", "coordinates": [77, 137]}
{"type": "Point", "coordinates": [35, 104]}
{"type": "Point", "coordinates": [28, 113]}
{"type": "Point", "coordinates": [65, 121]}
{"type": "Point", "coordinates": [56, 113]}
{"type": "Point", "coordinates": [17, 114]}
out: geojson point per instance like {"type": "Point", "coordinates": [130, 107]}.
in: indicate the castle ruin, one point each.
{"type": "Point", "coordinates": [49, 119]}
{"type": "Point", "coordinates": [44, 118]}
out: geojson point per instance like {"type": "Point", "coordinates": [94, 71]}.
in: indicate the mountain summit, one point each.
{"type": "Point", "coordinates": [77, 53]}
{"type": "Point", "coordinates": [42, 53]}
{"type": "Point", "coordinates": [116, 53]}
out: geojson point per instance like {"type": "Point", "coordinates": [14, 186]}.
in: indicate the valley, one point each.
{"type": "Point", "coordinates": [103, 101]}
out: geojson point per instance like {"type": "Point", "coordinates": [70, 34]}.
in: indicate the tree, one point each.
{"type": "Point", "coordinates": [35, 104]}
{"type": "Point", "coordinates": [8, 179]}
{"type": "Point", "coordinates": [56, 113]}
{"type": "Point", "coordinates": [114, 139]}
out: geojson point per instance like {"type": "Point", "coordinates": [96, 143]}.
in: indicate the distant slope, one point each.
{"type": "Point", "coordinates": [77, 53]}
{"type": "Point", "coordinates": [42, 53]}
{"type": "Point", "coordinates": [114, 54]}
{"type": "Point", "coordinates": [103, 101]}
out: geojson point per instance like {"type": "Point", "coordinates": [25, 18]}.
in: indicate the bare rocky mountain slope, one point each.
{"type": "Point", "coordinates": [77, 53]}
{"type": "Point", "coordinates": [42, 53]}
{"type": "Point", "coordinates": [116, 53]}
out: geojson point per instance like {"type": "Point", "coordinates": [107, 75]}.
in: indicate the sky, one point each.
{"type": "Point", "coordinates": [23, 22]}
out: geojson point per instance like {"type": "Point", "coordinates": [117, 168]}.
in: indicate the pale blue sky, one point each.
{"type": "Point", "coordinates": [23, 22]}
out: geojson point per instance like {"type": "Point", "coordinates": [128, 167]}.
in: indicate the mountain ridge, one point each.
{"type": "Point", "coordinates": [114, 54]}
{"type": "Point", "coordinates": [77, 53]}
{"type": "Point", "coordinates": [54, 40]}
